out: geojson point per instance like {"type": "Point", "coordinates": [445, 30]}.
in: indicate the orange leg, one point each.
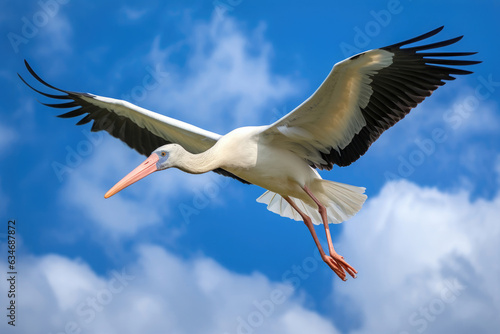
{"type": "Point", "coordinates": [332, 263]}
{"type": "Point", "coordinates": [333, 254]}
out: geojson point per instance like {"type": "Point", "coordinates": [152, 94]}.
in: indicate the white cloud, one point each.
{"type": "Point", "coordinates": [55, 37]}
{"type": "Point", "coordinates": [7, 137]}
{"type": "Point", "coordinates": [133, 14]}
{"type": "Point", "coordinates": [428, 261]}
{"type": "Point", "coordinates": [84, 188]}
{"type": "Point", "coordinates": [226, 81]}
{"type": "Point", "coordinates": [478, 159]}
{"type": "Point", "coordinates": [137, 207]}
{"type": "Point", "coordinates": [468, 115]}
{"type": "Point", "coordinates": [458, 111]}
{"type": "Point", "coordinates": [412, 244]}
{"type": "Point", "coordinates": [156, 293]}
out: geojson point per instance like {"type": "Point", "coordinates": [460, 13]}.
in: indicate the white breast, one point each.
{"type": "Point", "coordinates": [256, 160]}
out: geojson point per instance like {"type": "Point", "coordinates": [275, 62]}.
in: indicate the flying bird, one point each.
{"type": "Point", "coordinates": [361, 97]}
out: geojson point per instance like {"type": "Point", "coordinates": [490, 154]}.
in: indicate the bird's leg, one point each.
{"type": "Point", "coordinates": [333, 254]}
{"type": "Point", "coordinates": [307, 220]}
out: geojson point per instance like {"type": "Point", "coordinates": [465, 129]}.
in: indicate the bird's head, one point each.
{"type": "Point", "coordinates": [167, 155]}
{"type": "Point", "coordinates": [161, 158]}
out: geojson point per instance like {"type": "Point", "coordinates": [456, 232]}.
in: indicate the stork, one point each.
{"type": "Point", "coordinates": [361, 97]}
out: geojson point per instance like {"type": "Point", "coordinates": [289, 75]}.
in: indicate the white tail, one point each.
{"type": "Point", "coordinates": [341, 200]}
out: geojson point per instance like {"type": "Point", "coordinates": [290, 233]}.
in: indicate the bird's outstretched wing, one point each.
{"type": "Point", "coordinates": [139, 128]}
{"type": "Point", "coordinates": [362, 97]}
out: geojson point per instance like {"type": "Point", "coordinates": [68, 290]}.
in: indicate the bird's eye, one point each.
{"type": "Point", "coordinates": [163, 154]}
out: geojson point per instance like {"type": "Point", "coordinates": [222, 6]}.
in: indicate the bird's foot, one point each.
{"type": "Point", "coordinates": [339, 265]}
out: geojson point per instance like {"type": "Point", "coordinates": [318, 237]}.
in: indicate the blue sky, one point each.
{"type": "Point", "coordinates": [180, 253]}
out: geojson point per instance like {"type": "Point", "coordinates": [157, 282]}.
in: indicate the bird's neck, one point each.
{"type": "Point", "coordinates": [197, 163]}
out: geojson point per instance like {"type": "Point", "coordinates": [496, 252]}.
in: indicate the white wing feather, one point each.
{"type": "Point", "coordinates": [332, 116]}
{"type": "Point", "coordinates": [192, 138]}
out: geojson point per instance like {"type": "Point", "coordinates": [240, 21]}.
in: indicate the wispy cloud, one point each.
{"type": "Point", "coordinates": [458, 109]}
{"type": "Point", "coordinates": [427, 259]}
{"type": "Point", "coordinates": [157, 293]}
{"type": "Point", "coordinates": [55, 38]}
{"type": "Point", "coordinates": [446, 133]}
{"type": "Point", "coordinates": [142, 205]}
{"type": "Point", "coordinates": [133, 14]}
{"type": "Point", "coordinates": [227, 76]}
{"type": "Point", "coordinates": [7, 137]}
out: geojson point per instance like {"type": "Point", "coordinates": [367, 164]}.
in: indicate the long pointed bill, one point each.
{"type": "Point", "coordinates": [143, 170]}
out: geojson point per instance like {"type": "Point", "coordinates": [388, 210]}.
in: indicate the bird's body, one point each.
{"type": "Point", "coordinates": [361, 98]}
{"type": "Point", "coordinates": [246, 153]}
{"type": "Point", "coordinates": [253, 159]}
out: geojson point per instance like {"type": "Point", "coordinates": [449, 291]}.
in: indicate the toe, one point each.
{"type": "Point", "coordinates": [336, 267]}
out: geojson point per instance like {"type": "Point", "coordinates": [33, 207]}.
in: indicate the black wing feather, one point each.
{"type": "Point", "coordinates": [398, 88]}
{"type": "Point", "coordinates": [136, 137]}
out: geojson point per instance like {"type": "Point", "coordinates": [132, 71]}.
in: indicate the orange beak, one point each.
{"type": "Point", "coordinates": [143, 170]}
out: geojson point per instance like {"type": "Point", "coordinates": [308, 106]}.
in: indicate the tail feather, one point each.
{"type": "Point", "coordinates": [341, 200]}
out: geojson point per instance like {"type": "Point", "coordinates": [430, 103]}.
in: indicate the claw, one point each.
{"type": "Point", "coordinates": [340, 266]}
